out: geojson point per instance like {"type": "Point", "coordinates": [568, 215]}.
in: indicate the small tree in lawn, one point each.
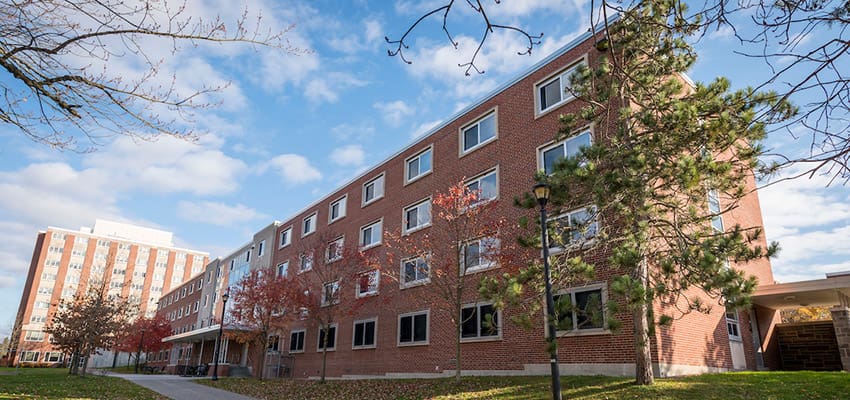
{"type": "Point", "coordinates": [666, 162]}
{"type": "Point", "coordinates": [328, 269]}
{"type": "Point", "coordinates": [465, 238]}
{"type": "Point", "coordinates": [262, 303]}
{"type": "Point", "coordinates": [144, 335]}
{"type": "Point", "coordinates": [90, 321]}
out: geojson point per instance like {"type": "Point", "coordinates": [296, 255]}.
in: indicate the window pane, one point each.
{"type": "Point", "coordinates": [470, 137]}
{"type": "Point", "coordinates": [413, 168]}
{"type": "Point", "coordinates": [550, 94]}
{"type": "Point", "coordinates": [405, 329]}
{"type": "Point", "coordinates": [589, 315]}
{"type": "Point", "coordinates": [577, 142]}
{"type": "Point", "coordinates": [412, 218]}
{"type": "Point", "coordinates": [370, 192]}
{"type": "Point", "coordinates": [469, 322]}
{"type": "Point", "coordinates": [471, 256]}
{"type": "Point", "coordinates": [379, 187]}
{"type": "Point", "coordinates": [563, 312]}
{"type": "Point", "coordinates": [332, 337]}
{"type": "Point", "coordinates": [551, 156]}
{"type": "Point", "coordinates": [488, 187]}
{"type": "Point", "coordinates": [425, 162]}
{"type": "Point", "coordinates": [410, 271]}
{"type": "Point", "coordinates": [420, 327]}
{"type": "Point", "coordinates": [487, 128]}
{"type": "Point", "coordinates": [369, 334]}
{"type": "Point", "coordinates": [358, 334]}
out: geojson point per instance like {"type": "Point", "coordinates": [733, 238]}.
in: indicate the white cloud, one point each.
{"type": "Point", "coordinates": [293, 168]}
{"type": "Point", "coordinates": [359, 132]}
{"type": "Point", "coordinates": [424, 128]}
{"type": "Point", "coordinates": [395, 112]}
{"type": "Point", "coordinates": [374, 31]}
{"type": "Point", "coordinates": [215, 213]}
{"type": "Point", "coordinates": [328, 87]}
{"type": "Point", "coordinates": [526, 8]}
{"type": "Point", "coordinates": [348, 156]}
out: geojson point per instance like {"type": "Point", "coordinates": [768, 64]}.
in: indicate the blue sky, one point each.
{"type": "Point", "coordinates": [290, 128]}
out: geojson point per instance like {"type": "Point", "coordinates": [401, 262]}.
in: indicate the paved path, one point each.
{"type": "Point", "coordinates": [180, 388]}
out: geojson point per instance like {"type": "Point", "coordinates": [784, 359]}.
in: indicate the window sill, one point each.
{"type": "Point", "coordinates": [478, 269]}
{"type": "Point", "coordinates": [364, 248]}
{"type": "Point", "coordinates": [326, 351]}
{"type": "Point", "coordinates": [335, 220]}
{"type": "Point", "coordinates": [370, 201]}
{"type": "Point", "coordinates": [414, 344]}
{"type": "Point", "coordinates": [481, 339]}
{"type": "Point", "coordinates": [409, 285]}
{"type": "Point", "coordinates": [540, 113]}
{"type": "Point", "coordinates": [303, 235]}
{"type": "Point", "coordinates": [476, 147]}
{"type": "Point", "coordinates": [367, 294]}
{"type": "Point", "coordinates": [371, 347]}
{"type": "Point", "coordinates": [417, 177]}
{"type": "Point", "coordinates": [296, 351]}
{"type": "Point", "coordinates": [584, 332]}
{"type": "Point", "coordinates": [416, 229]}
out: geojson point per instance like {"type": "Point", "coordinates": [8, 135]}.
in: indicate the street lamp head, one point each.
{"type": "Point", "coordinates": [541, 193]}
{"type": "Point", "coordinates": [226, 295]}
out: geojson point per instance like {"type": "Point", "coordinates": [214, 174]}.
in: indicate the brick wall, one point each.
{"type": "Point", "coordinates": [808, 346]}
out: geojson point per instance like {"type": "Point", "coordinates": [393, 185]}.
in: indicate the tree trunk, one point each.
{"type": "Point", "coordinates": [643, 356]}
{"type": "Point", "coordinates": [324, 354]}
{"type": "Point", "coordinates": [458, 318]}
{"type": "Point", "coordinates": [115, 358]}
{"type": "Point", "coordinates": [85, 365]}
{"type": "Point", "coordinates": [262, 358]}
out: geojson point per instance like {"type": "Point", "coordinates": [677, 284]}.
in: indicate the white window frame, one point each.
{"type": "Point", "coordinates": [479, 325]}
{"type": "Point", "coordinates": [376, 280]}
{"type": "Point", "coordinates": [261, 247]}
{"type": "Point", "coordinates": [337, 255]}
{"type": "Point", "coordinates": [303, 333]}
{"type": "Point", "coordinates": [603, 288]}
{"type": "Point", "coordinates": [29, 356]}
{"type": "Point", "coordinates": [335, 327]}
{"type": "Point", "coordinates": [714, 208]}
{"type": "Point", "coordinates": [541, 162]}
{"type": "Point", "coordinates": [586, 240]}
{"type": "Point", "coordinates": [410, 179]}
{"type": "Point", "coordinates": [380, 177]}
{"type": "Point", "coordinates": [343, 203]}
{"type": "Point", "coordinates": [563, 76]}
{"type": "Point", "coordinates": [374, 344]}
{"type": "Point", "coordinates": [477, 123]}
{"type": "Point", "coordinates": [418, 206]}
{"type": "Point", "coordinates": [288, 236]}
{"type": "Point", "coordinates": [48, 356]}
{"type": "Point", "coordinates": [285, 267]}
{"type": "Point", "coordinates": [380, 224]}
{"type": "Point", "coordinates": [477, 179]}
{"type": "Point", "coordinates": [413, 315]}
{"type": "Point", "coordinates": [313, 218]}
{"type": "Point", "coordinates": [418, 282]}
{"type": "Point", "coordinates": [735, 322]}
{"type": "Point", "coordinates": [484, 264]}
{"type": "Point", "coordinates": [301, 258]}
{"type": "Point", "coordinates": [336, 287]}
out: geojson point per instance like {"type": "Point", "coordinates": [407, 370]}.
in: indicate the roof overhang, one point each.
{"type": "Point", "coordinates": [197, 335]}
{"type": "Point", "coordinates": [831, 291]}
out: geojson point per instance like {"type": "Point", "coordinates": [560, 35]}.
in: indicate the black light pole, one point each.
{"type": "Point", "coordinates": [139, 351]}
{"type": "Point", "coordinates": [541, 193]}
{"type": "Point", "coordinates": [224, 298]}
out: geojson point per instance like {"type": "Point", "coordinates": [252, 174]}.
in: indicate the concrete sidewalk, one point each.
{"type": "Point", "coordinates": [180, 388]}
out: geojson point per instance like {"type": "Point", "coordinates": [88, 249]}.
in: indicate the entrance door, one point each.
{"type": "Point", "coordinates": [736, 342]}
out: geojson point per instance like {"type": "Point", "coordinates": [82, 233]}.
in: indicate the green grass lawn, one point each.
{"type": "Point", "coordinates": [55, 383]}
{"type": "Point", "coordinates": [738, 385]}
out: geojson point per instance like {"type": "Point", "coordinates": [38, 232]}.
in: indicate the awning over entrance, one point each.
{"type": "Point", "coordinates": [834, 290]}
{"type": "Point", "coordinates": [197, 335]}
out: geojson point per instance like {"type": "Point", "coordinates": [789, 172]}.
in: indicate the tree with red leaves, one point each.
{"type": "Point", "coordinates": [327, 268]}
{"type": "Point", "coordinates": [144, 335]}
{"type": "Point", "coordinates": [466, 238]}
{"type": "Point", "coordinates": [263, 302]}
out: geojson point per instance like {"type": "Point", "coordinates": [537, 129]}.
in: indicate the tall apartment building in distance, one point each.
{"type": "Point", "coordinates": [136, 262]}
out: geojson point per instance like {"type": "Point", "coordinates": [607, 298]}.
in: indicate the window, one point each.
{"type": "Point", "coordinates": [334, 250]}
{"type": "Point", "coordinates": [479, 133]}
{"type": "Point", "coordinates": [260, 248]}
{"type": "Point", "coordinates": [367, 283]}
{"type": "Point", "coordinates": [296, 341]}
{"type": "Point", "coordinates": [417, 216]}
{"type": "Point", "coordinates": [581, 309]}
{"type": "Point", "coordinates": [285, 237]}
{"type": "Point", "coordinates": [417, 166]}
{"type": "Point", "coordinates": [413, 328]}
{"type": "Point", "coordinates": [330, 344]}
{"type": "Point", "coordinates": [364, 334]}
{"type": "Point", "coordinates": [551, 154]}
{"type": "Point", "coordinates": [714, 209]}
{"type": "Point", "coordinates": [34, 336]}
{"type": "Point", "coordinates": [337, 209]}
{"type": "Point", "coordinates": [732, 324]}
{"type": "Point", "coordinates": [479, 321]}
{"type": "Point", "coordinates": [305, 262]}
{"type": "Point", "coordinates": [283, 269]}
{"type": "Point", "coordinates": [480, 254]}
{"type": "Point", "coordinates": [415, 271]}
{"type": "Point", "coordinates": [53, 356]}
{"type": "Point", "coordinates": [573, 228]}
{"type": "Point", "coordinates": [370, 235]}
{"type": "Point", "coordinates": [556, 90]}
{"type": "Point", "coordinates": [273, 343]}
{"type": "Point", "coordinates": [485, 186]}
{"type": "Point", "coordinates": [330, 293]}
{"type": "Point", "coordinates": [29, 356]}
{"type": "Point", "coordinates": [308, 226]}
{"type": "Point", "coordinates": [373, 190]}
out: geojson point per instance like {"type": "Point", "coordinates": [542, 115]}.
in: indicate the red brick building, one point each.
{"type": "Point", "coordinates": [496, 144]}
{"type": "Point", "coordinates": [137, 263]}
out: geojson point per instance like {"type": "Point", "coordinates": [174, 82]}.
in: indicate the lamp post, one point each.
{"type": "Point", "coordinates": [139, 350]}
{"type": "Point", "coordinates": [541, 193]}
{"type": "Point", "coordinates": [224, 298]}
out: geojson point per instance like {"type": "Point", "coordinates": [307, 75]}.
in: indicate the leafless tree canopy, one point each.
{"type": "Point", "coordinates": [488, 24]}
{"type": "Point", "coordinates": [58, 76]}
